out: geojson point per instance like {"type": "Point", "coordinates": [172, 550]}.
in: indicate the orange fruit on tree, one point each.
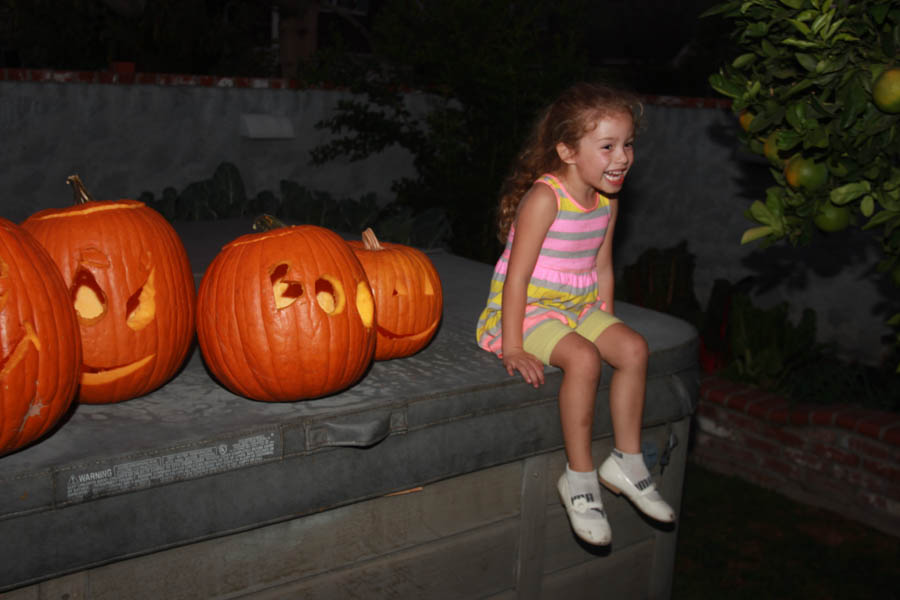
{"type": "Point", "coordinates": [832, 218]}
{"type": "Point", "coordinates": [805, 173]}
{"type": "Point", "coordinates": [745, 118]}
{"type": "Point", "coordinates": [886, 91]}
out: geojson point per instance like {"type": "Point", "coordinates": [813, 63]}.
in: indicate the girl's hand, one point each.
{"type": "Point", "coordinates": [528, 365]}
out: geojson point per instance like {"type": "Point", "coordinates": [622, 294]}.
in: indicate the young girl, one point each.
{"type": "Point", "coordinates": [551, 297]}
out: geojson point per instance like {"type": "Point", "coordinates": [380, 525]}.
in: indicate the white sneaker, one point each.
{"type": "Point", "coordinates": [642, 494]}
{"type": "Point", "coordinates": [586, 515]}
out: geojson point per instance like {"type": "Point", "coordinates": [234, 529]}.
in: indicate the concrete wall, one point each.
{"type": "Point", "coordinates": [690, 181]}
{"type": "Point", "coordinates": [126, 139]}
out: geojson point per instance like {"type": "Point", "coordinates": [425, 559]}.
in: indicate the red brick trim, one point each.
{"type": "Point", "coordinates": [842, 457]}
{"type": "Point", "coordinates": [880, 425]}
{"type": "Point", "coordinates": [173, 79]}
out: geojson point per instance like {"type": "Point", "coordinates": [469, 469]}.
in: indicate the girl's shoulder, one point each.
{"type": "Point", "coordinates": [541, 194]}
{"type": "Point", "coordinates": [538, 205]}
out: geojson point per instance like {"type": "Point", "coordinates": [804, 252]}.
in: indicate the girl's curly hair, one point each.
{"type": "Point", "coordinates": [574, 113]}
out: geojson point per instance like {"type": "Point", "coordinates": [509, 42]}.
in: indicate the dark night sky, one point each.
{"type": "Point", "coordinates": [664, 38]}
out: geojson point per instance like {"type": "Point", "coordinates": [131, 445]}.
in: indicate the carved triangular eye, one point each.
{"type": "Point", "coordinates": [286, 292]}
{"type": "Point", "coordinates": [88, 297]}
{"type": "Point", "coordinates": [141, 306]}
{"type": "Point", "coordinates": [365, 304]}
{"type": "Point", "coordinates": [330, 295]}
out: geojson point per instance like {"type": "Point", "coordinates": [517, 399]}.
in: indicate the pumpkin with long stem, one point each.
{"type": "Point", "coordinates": [408, 295]}
{"type": "Point", "coordinates": [130, 281]}
{"type": "Point", "coordinates": [40, 347]}
{"type": "Point", "coordinates": [286, 314]}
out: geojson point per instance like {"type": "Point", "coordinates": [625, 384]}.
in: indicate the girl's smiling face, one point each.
{"type": "Point", "coordinates": [603, 155]}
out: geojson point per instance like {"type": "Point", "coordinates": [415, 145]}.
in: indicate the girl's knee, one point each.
{"type": "Point", "coordinates": [637, 349]}
{"type": "Point", "coordinates": [624, 347]}
{"type": "Point", "coordinates": [578, 358]}
{"type": "Point", "coordinates": [589, 363]}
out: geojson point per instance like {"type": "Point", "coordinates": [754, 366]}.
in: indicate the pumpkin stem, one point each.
{"type": "Point", "coordinates": [370, 242]}
{"type": "Point", "coordinates": [81, 194]}
{"type": "Point", "coordinates": [266, 222]}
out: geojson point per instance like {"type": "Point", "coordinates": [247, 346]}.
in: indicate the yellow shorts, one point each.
{"type": "Point", "coordinates": [545, 336]}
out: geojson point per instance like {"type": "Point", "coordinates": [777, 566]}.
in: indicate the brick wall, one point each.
{"type": "Point", "coordinates": [839, 457]}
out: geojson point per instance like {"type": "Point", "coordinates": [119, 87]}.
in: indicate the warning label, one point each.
{"type": "Point", "coordinates": [167, 468]}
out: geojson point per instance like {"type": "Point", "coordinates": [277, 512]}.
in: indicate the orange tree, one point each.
{"type": "Point", "coordinates": [817, 89]}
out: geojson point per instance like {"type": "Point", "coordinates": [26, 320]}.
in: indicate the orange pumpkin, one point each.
{"type": "Point", "coordinates": [286, 315]}
{"type": "Point", "coordinates": [131, 284]}
{"type": "Point", "coordinates": [408, 295]}
{"type": "Point", "coordinates": [40, 348]}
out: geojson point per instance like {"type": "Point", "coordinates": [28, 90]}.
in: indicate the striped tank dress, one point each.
{"type": "Point", "coordinates": [563, 284]}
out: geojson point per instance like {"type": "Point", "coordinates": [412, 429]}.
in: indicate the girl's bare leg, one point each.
{"type": "Point", "coordinates": [579, 486]}
{"type": "Point", "coordinates": [581, 363]}
{"type": "Point", "coordinates": [627, 352]}
{"type": "Point", "coordinates": [624, 472]}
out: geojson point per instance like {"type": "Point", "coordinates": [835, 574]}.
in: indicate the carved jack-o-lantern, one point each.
{"type": "Point", "coordinates": [131, 284]}
{"type": "Point", "coordinates": [408, 295]}
{"type": "Point", "coordinates": [286, 315]}
{"type": "Point", "coordinates": [40, 349]}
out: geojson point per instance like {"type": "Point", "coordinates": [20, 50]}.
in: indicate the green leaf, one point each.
{"type": "Point", "coordinates": [754, 88]}
{"type": "Point", "coordinates": [853, 95]}
{"type": "Point", "coordinates": [867, 206]}
{"type": "Point", "coordinates": [797, 4]}
{"type": "Point", "coordinates": [829, 31]}
{"type": "Point", "coordinates": [879, 12]}
{"type": "Point", "coordinates": [821, 21]}
{"type": "Point", "coordinates": [849, 192]}
{"type": "Point", "coordinates": [816, 138]}
{"type": "Point", "coordinates": [757, 29]}
{"type": "Point", "coordinates": [769, 49]}
{"type": "Point", "coordinates": [796, 115]}
{"type": "Point", "coordinates": [800, 43]}
{"type": "Point", "coordinates": [755, 233]}
{"type": "Point", "coordinates": [720, 8]}
{"type": "Point", "coordinates": [786, 139]}
{"type": "Point", "coordinates": [761, 213]}
{"type": "Point", "coordinates": [881, 217]}
{"type": "Point", "coordinates": [725, 86]}
{"type": "Point", "coordinates": [798, 87]}
{"type": "Point", "coordinates": [808, 61]}
{"type": "Point", "coordinates": [743, 60]}
{"type": "Point", "coordinates": [844, 37]}
{"type": "Point", "coordinates": [800, 26]}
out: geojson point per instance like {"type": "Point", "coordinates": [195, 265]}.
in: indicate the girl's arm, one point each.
{"type": "Point", "coordinates": [536, 213]}
{"type": "Point", "coordinates": [605, 274]}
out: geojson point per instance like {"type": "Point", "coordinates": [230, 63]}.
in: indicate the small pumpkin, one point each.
{"type": "Point", "coordinates": [40, 347]}
{"type": "Point", "coordinates": [408, 295]}
{"type": "Point", "coordinates": [286, 314]}
{"type": "Point", "coordinates": [131, 284]}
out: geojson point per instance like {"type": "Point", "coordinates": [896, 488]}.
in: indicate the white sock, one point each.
{"type": "Point", "coordinates": [583, 484]}
{"type": "Point", "coordinates": [632, 465]}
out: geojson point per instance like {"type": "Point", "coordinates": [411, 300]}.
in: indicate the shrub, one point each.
{"type": "Point", "coordinates": [803, 87]}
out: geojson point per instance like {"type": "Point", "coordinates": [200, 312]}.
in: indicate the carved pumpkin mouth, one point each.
{"type": "Point", "coordinates": [402, 336]}
{"type": "Point", "coordinates": [99, 375]}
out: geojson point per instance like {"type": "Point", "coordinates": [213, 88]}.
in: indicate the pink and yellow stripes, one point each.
{"type": "Point", "coordinates": [563, 284]}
